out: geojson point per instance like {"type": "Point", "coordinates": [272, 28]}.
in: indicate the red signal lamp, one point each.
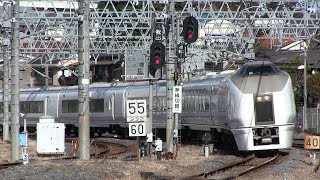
{"type": "Point", "coordinates": [190, 35]}
{"type": "Point", "coordinates": [157, 61]}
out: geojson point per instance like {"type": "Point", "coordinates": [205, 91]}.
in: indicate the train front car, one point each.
{"type": "Point", "coordinates": [261, 112]}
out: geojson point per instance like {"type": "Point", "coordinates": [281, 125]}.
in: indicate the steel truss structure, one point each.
{"type": "Point", "coordinates": [49, 29]}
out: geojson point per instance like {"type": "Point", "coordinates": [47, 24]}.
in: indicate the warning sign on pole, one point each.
{"type": "Point", "coordinates": [177, 99]}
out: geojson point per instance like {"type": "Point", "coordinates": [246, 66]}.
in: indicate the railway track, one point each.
{"type": "Point", "coordinates": [240, 168]}
{"type": "Point", "coordinates": [298, 143]}
{"type": "Point", "coordinates": [228, 171]}
{"type": "Point", "coordinates": [9, 164]}
{"type": "Point", "coordinates": [100, 148]}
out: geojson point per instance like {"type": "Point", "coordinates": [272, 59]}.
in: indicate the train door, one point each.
{"type": "Point", "coordinates": [115, 105]}
{"type": "Point", "coordinates": [118, 107]}
{"type": "Point", "coordinates": [110, 107]}
{"type": "Point", "coordinates": [97, 102]}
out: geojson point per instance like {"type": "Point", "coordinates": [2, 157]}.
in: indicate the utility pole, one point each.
{"type": "Point", "coordinates": [169, 75]}
{"type": "Point", "coordinates": [176, 78]}
{"type": "Point", "coordinates": [15, 85]}
{"type": "Point", "coordinates": [83, 87]}
{"type": "Point", "coordinates": [150, 119]}
{"type": "Point", "coordinates": [5, 90]}
{"type": "Point", "coordinates": [305, 93]}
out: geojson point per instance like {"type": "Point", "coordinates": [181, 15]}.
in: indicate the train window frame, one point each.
{"type": "Point", "coordinates": [222, 97]}
{"type": "Point", "coordinates": [93, 105]}
{"type": "Point", "coordinates": [72, 106]}
{"type": "Point", "coordinates": [206, 102]}
{"type": "Point", "coordinates": [31, 107]}
{"type": "Point", "coordinates": [262, 107]}
{"type": "Point", "coordinates": [1, 108]}
{"type": "Point", "coordinates": [196, 104]}
{"type": "Point", "coordinates": [184, 102]}
{"type": "Point", "coordinates": [258, 69]}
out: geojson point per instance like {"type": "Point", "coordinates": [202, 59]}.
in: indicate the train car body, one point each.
{"type": "Point", "coordinates": [256, 110]}
{"type": "Point", "coordinates": [261, 107]}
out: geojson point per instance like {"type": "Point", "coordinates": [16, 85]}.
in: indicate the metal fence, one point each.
{"type": "Point", "coordinates": [311, 125]}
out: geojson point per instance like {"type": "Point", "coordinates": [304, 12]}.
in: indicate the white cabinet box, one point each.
{"type": "Point", "coordinates": [50, 138]}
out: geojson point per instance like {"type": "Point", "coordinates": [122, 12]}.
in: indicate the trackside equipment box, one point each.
{"type": "Point", "coordinates": [50, 136]}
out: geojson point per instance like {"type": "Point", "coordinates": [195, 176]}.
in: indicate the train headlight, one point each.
{"type": "Point", "coordinates": [259, 98]}
{"type": "Point", "coordinates": [263, 98]}
{"type": "Point", "coordinates": [266, 98]}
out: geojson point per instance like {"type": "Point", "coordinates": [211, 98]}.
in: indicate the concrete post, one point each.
{"type": "Point", "coordinates": [84, 80]}
{"type": "Point", "coordinates": [15, 84]}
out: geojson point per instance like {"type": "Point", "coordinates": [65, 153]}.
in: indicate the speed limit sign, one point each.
{"type": "Point", "coordinates": [137, 108]}
{"type": "Point", "coordinates": [136, 117]}
{"type": "Point", "coordinates": [311, 142]}
{"type": "Point", "coordinates": [137, 129]}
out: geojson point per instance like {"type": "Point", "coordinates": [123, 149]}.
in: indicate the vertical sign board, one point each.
{"type": "Point", "coordinates": [177, 99]}
{"type": "Point", "coordinates": [311, 142]}
{"type": "Point", "coordinates": [136, 117]}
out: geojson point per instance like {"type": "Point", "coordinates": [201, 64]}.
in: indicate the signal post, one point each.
{"type": "Point", "coordinates": [168, 54]}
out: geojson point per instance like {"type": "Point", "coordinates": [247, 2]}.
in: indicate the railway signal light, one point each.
{"type": "Point", "coordinates": [190, 29]}
{"type": "Point", "coordinates": [157, 55]}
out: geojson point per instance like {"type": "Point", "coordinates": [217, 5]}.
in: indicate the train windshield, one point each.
{"type": "Point", "coordinates": [258, 69]}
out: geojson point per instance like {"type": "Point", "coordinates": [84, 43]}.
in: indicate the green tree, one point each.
{"type": "Point", "coordinates": [313, 86]}
{"type": "Point", "coordinates": [297, 82]}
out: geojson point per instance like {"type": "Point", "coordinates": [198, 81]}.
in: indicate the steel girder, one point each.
{"type": "Point", "coordinates": [49, 28]}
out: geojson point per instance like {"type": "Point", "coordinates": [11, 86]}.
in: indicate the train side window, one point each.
{"type": "Point", "coordinates": [222, 101]}
{"type": "Point", "coordinates": [187, 104]}
{"type": "Point", "coordinates": [70, 106]}
{"type": "Point", "coordinates": [96, 105]}
{"type": "Point", "coordinates": [184, 102]}
{"type": "Point", "coordinates": [31, 106]}
{"type": "Point", "coordinates": [1, 107]}
{"type": "Point", "coordinates": [196, 106]}
{"type": "Point", "coordinates": [190, 103]}
{"type": "Point", "coordinates": [201, 103]}
{"type": "Point", "coordinates": [204, 103]}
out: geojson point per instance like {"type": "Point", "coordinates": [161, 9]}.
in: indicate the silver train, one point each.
{"type": "Point", "coordinates": [252, 108]}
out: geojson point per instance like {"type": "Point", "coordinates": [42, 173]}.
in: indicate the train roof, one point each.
{"type": "Point", "coordinates": [211, 79]}
{"type": "Point", "coordinates": [94, 85]}
{"type": "Point", "coordinates": [258, 68]}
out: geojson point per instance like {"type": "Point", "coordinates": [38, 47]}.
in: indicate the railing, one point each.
{"type": "Point", "coordinates": [312, 123]}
